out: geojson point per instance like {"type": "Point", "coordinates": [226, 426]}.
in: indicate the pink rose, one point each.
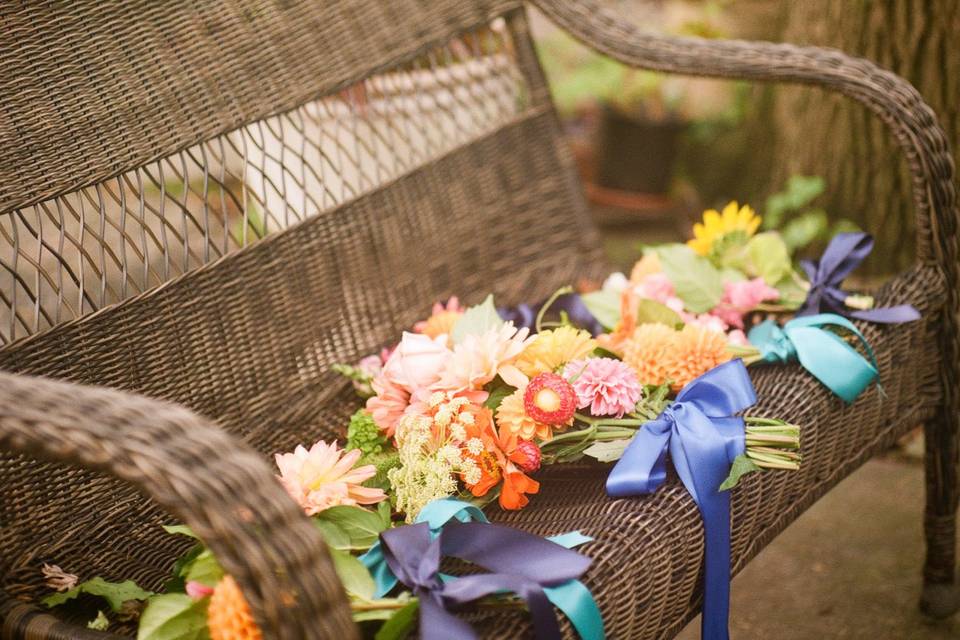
{"type": "Point", "coordinates": [656, 286]}
{"type": "Point", "coordinates": [741, 297]}
{"type": "Point", "coordinates": [747, 294]}
{"type": "Point", "coordinates": [417, 361]}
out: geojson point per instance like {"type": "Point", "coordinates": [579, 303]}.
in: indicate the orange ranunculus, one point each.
{"type": "Point", "coordinates": [496, 457]}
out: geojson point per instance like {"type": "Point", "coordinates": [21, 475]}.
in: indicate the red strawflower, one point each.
{"type": "Point", "coordinates": [550, 399]}
{"type": "Point", "coordinates": [526, 456]}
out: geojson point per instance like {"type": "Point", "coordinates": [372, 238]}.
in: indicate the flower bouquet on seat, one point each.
{"type": "Point", "coordinates": [467, 406]}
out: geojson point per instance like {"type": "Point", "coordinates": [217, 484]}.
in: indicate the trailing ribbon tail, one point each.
{"type": "Point", "coordinates": [844, 253]}
{"type": "Point", "coordinates": [828, 357]}
{"type": "Point", "coordinates": [704, 436]}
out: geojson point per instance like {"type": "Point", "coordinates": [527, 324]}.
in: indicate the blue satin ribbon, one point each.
{"type": "Point", "coordinates": [703, 436]}
{"type": "Point", "coordinates": [525, 315]}
{"type": "Point", "coordinates": [827, 356]}
{"type": "Point", "coordinates": [844, 253]}
{"type": "Point", "coordinates": [571, 596]}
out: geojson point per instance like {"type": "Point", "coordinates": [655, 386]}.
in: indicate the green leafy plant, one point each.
{"type": "Point", "coordinates": [800, 222]}
{"type": "Point", "coordinates": [113, 593]}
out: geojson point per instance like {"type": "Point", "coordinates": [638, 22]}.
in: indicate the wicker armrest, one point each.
{"type": "Point", "coordinates": [894, 100]}
{"type": "Point", "coordinates": [216, 484]}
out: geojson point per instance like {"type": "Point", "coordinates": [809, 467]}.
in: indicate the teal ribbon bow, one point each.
{"type": "Point", "coordinates": [572, 597]}
{"type": "Point", "coordinates": [827, 356]}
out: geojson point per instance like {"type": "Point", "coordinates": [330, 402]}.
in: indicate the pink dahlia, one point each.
{"type": "Point", "coordinates": [388, 404]}
{"type": "Point", "coordinates": [324, 476]}
{"type": "Point", "coordinates": [608, 386]}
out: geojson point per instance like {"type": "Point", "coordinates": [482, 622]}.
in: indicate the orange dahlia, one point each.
{"type": "Point", "coordinates": [512, 418]}
{"type": "Point", "coordinates": [694, 351]}
{"type": "Point", "coordinates": [647, 351]}
{"type": "Point", "coordinates": [229, 616]}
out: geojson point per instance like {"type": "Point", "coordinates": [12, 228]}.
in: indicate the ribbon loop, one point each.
{"type": "Point", "coordinates": [703, 435]}
{"type": "Point", "coordinates": [844, 253]}
{"type": "Point", "coordinates": [541, 571]}
{"type": "Point", "coordinates": [827, 357]}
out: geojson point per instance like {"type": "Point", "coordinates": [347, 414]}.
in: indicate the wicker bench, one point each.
{"type": "Point", "coordinates": [203, 207]}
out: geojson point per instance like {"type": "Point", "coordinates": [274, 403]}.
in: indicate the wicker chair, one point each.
{"type": "Point", "coordinates": [204, 206]}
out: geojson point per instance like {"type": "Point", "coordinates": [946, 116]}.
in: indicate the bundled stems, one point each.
{"type": "Point", "coordinates": [772, 444]}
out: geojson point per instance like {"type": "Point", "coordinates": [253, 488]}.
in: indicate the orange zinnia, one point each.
{"type": "Point", "coordinates": [498, 460]}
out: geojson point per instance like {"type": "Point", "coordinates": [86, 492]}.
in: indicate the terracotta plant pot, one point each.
{"type": "Point", "coordinates": [636, 154]}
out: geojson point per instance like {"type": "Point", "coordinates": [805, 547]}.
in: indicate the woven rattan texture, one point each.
{"type": "Point", "coordinates": [93, 89]}
{"type": "Point", "coordinates": [81, 251]}
{"type": "Point", "coordinates": [245, 332]}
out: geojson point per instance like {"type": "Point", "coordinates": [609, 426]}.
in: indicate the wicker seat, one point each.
{"type": "Point", "coordinates": [201, 210]}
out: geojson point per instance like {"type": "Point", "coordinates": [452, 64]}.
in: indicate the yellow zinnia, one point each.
{"type": "Point", "coordinates": [554, 348]}
{"type": "Point", "coordinates": [716, 225]}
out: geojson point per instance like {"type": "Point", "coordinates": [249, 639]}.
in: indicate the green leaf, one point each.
{"type": "Point", "coordinates": [180, 529]}
{"type": "Point", "coordinates": [792, 294]}
{"type": "Point", "coordinates": [353, 574]}
{"type": "Point", "coordinates": [476, 320]}
{"type": "Point", "coordinates": [384, 511]}
{"type": "Point", "coordinates": [607, 451]}
{"type": "Point", "coordinates": [801, 190]}
{"type": "Point", "coordinates": [804, 229]}
{"type": "Point", "coordinates": [204, 569]}
{"type": "Point", "coordinates": [729, 274]}
{"type": "Point", "coordinates": [651, 311]}
{"type": "Point", "coordinates": [844, 226]}
{"type": "Point", "coordinates": [742, 465]}
{"type": "Point", "coordinates": [100, 623]}
{"type": "Point", "coordinates": [797, 193]}
{"type": "Point", "coordinates": [498, 391]}
{"type": "Point", "coordinates": [697, 281]}
{"type": "Point", "coordinates": [174, 616]}
{"type": "Point", "coordinates": [400, 624]}
{"type": "Point", "coordinates": [361, 526]}
{"type": "Point", "coordinates": [769, 256]}
{"type": "Point", "coordinates": [115, 593]}
{"type": "Point", "coordinates": [333, 535]}
{"type": "Point", "coordinates": [604, 305]}
{"type": "Point", "coordinates": [176, 581]}
{"type": "Point", "coordinates": [373, 614]}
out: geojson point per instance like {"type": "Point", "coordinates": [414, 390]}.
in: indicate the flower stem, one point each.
{"type": "Point", "coordinates": [562, 291]}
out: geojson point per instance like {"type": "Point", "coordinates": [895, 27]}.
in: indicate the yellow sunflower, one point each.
{"type": "Point", "coordinates": [716, 225]}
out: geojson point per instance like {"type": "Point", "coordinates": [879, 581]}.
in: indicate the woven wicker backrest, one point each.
{"type": "Point", "coordinates": [213, 202]}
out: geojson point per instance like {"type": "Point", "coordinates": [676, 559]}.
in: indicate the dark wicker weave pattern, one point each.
{"type": "Point", "coordinates": [388, 154]}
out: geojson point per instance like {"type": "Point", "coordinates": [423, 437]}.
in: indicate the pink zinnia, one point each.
{"type": "Point", "coordinates": [324, 477]}
{"type": "Point", "coordinates": [608, 386]}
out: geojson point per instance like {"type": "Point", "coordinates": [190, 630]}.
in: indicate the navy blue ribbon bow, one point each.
{"type": "Point", "coordinates": [704, 436]}
{"type": "Point", "coordinates": [525, 315]}
{"type": "Point", "coordinates": [519, 562]}
{"type": "Point", "coordinates": [844, 253]}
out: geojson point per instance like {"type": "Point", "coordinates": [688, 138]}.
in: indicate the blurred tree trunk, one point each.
{"type": "Point", "coordinates": [819, 134]}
